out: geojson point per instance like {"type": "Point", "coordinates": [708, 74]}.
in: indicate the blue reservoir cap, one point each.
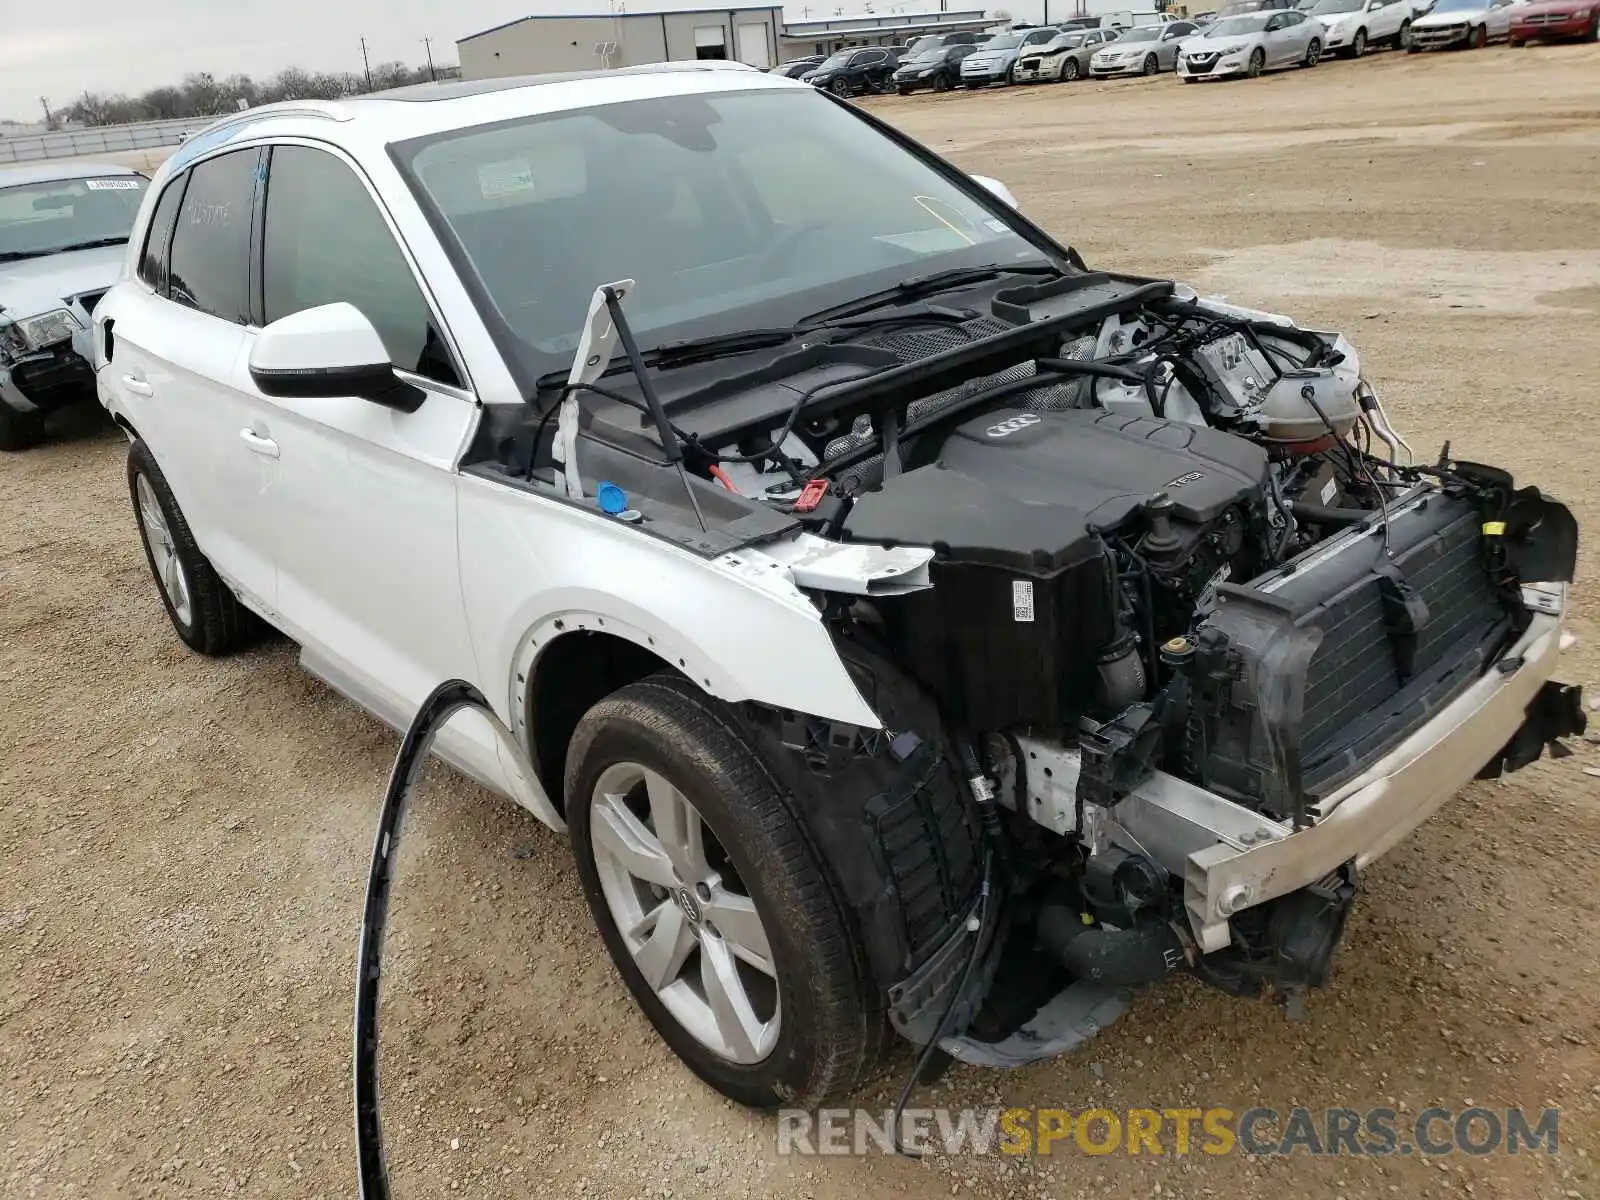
{"type": "Point", "coordinates": [611, 498]}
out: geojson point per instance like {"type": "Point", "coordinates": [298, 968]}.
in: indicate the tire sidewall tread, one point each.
{"type": "Point", "coordinates": [220, 624]}
{"type": "Point", "coordinates": [832, 1021]}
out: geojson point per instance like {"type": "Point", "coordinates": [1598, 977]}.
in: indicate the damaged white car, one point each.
{"type": "Point", "coordinates": [914, 628]}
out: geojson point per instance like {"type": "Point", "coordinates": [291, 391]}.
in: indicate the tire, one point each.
{"type": "Point", "coordinates": [1011, 76]}
{"type": "Point", "coordinates": [839, 88]}
{"type": "Point", "coordinates": [1313, 54]}
{"type": "Point", "coordinates": [207, 616]}
{"type": "Point", "coordinates": [1402, 38]}
{"type": "Point", "coordinates": [661, 746]}
{"type": "Point", "coordinates": [1478, 38]}
{"type": "Point", "coordinates": [1258, 61]}
{"type": "Point", "coordinates": [1358, 44]}
{"type": "Point", "coordinates": [1594, 28]}
{"type": "Point", "coordinates": [1152, 65]}
{"type": "Point", "coordinates": [941, 83]}
{"type": "Point", "coordinates": [19, 430]}
{"type": "Point", "coordinates": [1070, 70]}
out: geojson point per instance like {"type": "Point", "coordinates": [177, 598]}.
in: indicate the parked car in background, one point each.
{"type": "Point", "coordinates": [1472, 24]}
{"type": "Point", "coordinates": [1555, 20]}
{"type": "Point", "coordinates": [63, 234]}
{"type": "Point", "coordinates": [1063, 58]}
{"type": "Point", "coordinates": [851, 72]}
{"type": "Point", "coordinates": [1143, 50]}
{"type": "Point", "coordinates": [1240, 7]}
{"type": "Point", "coordinates": [1251, 43]}
{"type": "Point", "coordinates": [937, 69]}
{"type": "Point", "coordinates": [797, 67]}
{"type": "Point", "coordinates": [962, 37]}
{"type": "Point", "coordinates": [1350, 26]}
{"type": "Point", "coordinates": [993, 61]}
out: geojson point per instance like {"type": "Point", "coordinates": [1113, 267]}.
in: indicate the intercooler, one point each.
{"type": "Point", "coordinates": [1306, 675]}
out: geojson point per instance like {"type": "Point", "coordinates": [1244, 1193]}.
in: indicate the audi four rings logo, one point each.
{"type": "Point", "coordinates": [1012, 424]}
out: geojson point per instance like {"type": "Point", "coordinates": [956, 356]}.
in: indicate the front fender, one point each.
{"type": "Point", "coordinates": [534, 568]}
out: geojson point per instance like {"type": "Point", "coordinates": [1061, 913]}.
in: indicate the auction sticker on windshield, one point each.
{"type": "Point", "coordinates": [112, 185]}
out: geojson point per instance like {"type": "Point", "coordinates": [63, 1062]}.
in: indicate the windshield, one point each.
{"type": "Point", "coordinates": [46, 218]}
{"type": "Point", "coordinates": [929, 56]}
{"type": "Point", "coordinates": [1324, 7]}
{"type": "Point", "coordinates": [838, 60]}
{"type": "Point", "coordinates": [1237, 26]}
{"type": "Point", "coordinates": [1065, 41]}
{"type": "Point", "coordinates": [1006, 41]}
{"type": "Point", "coordinates": [1457, 6]}
{"type": "Point", "coordinates": [726, 209]}
{"type": "Point", "coordinates": [1143, 33]}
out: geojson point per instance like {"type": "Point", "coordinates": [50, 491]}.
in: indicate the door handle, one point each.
{"type": "Point", "coordinates": [137, 386]}
{"type": "Point", "coordinates": [263, 446]}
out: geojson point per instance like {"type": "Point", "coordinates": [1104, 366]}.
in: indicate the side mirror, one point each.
{"type": "Point", "coordinates": [996, 188]}
{"type": "Point", "coordinates": [325, 352]}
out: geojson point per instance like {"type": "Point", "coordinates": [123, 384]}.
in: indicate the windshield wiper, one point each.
{"type": "Point", "coordinates": [920, 286]}
{"type": "Point", "coordinates": [95, 244]}
{"type": "Point", "coordinates": [718, 345]}
{"type": "Point", "coordinates": [19, 255]}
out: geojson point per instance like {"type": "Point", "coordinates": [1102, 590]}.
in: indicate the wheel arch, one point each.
{"type": "Point", "coordinates": [564, 668]}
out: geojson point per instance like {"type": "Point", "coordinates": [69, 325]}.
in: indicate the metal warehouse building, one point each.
{"type": "Point", "coordinates": [587, 41]}
{"type": "Point", "coordinates": [756, 34]}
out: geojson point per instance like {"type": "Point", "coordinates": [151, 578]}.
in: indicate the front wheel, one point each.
{"type": "Point", "coordinates": [1594, 28]}
{"type": "Point", "coordinates": [1313, 54]}
{"type": "Point", "coordinates": [207, 616]}
{"type": "Point", "coordinates": [839, 88]}
{"type": "Point", "coordinates": [1402, 39]}
{"type": "Point", "coordinates": [1358, 44]}
{"type": "Point", "coordinates": [711, 901]}
{"type": "Point", "coordinates": [1070, 70]}
{"type": "Point", "coordinates": [1479, 38]}
{"type": "Point", "coordinates": [941, 83]}
{"type": "Point", "coordinates": [1258, 61]}
{"type": "Point", "coordinates": [19, 430]}
{"type": "Point", "coordinates": [1151, 64]}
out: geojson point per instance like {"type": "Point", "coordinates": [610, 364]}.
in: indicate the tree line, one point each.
{"type": "Point", "coordinates": [204, 95]}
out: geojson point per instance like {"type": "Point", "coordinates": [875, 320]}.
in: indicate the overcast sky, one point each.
{"type": "Point", "coordinates": [62, 49]}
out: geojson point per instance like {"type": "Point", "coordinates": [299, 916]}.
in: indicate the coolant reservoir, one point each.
{"type": "Point", "coordinates": [1295, 406]}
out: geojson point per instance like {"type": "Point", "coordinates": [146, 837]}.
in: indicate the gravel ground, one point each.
{"type": "Point", "coordinates": [183, 842]}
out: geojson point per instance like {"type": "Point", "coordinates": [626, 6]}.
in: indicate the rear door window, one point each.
{"type": "Point", "coordinates": [210, 260]}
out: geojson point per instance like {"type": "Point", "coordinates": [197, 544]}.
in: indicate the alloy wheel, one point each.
{"type": "Point", "coordinates": [684, 914]}
{"type": "Point", "coordinates": [164, 554]}
{"type": "Point", "coordinates": [1358, 45]}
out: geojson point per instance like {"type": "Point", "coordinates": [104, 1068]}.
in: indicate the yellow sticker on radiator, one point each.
{"type": "Point", "coordinates": [1494, 529]}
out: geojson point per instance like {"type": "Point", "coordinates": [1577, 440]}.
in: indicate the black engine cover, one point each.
{"type": "Point", "coordinates": [1022, 490]}
{"type": "Point", "coordinates": [1025, 597]}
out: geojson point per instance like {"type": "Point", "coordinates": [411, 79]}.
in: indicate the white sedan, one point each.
{"type": "Point", "coordinates": [1250, 44]}
{"type": "Point", "coordinates": [1351, 26]}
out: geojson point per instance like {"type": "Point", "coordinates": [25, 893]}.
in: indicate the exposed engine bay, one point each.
{"type": "Point", "coordinates": [1161, 565]}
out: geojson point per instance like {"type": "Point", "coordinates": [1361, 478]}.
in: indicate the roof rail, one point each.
{"type": "Point", "coordinates": [327, 110]}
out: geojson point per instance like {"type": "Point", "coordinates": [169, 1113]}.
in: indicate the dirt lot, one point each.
{"type": "Point", "coordinates": [183, 842]}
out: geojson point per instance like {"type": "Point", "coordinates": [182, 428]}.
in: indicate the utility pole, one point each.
{"type": "Point", "coordinates": [49, 120]}
{"type": "Point", "coordinates": [366, 64]}
{"type": "Point", "coordinates": [427, 44]}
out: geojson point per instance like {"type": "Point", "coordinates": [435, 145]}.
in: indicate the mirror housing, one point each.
{"type": "Point", "coordinates": [328, 351]}
{"type": "Point", "coordinates": [995, 188]}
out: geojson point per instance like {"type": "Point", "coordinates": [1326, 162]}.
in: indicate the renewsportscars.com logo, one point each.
{"type": "Point", "coordinates": [1373, 1132]}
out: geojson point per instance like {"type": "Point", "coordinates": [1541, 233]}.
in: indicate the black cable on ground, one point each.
{"type": "Point", "coordinates": [447, 699]}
